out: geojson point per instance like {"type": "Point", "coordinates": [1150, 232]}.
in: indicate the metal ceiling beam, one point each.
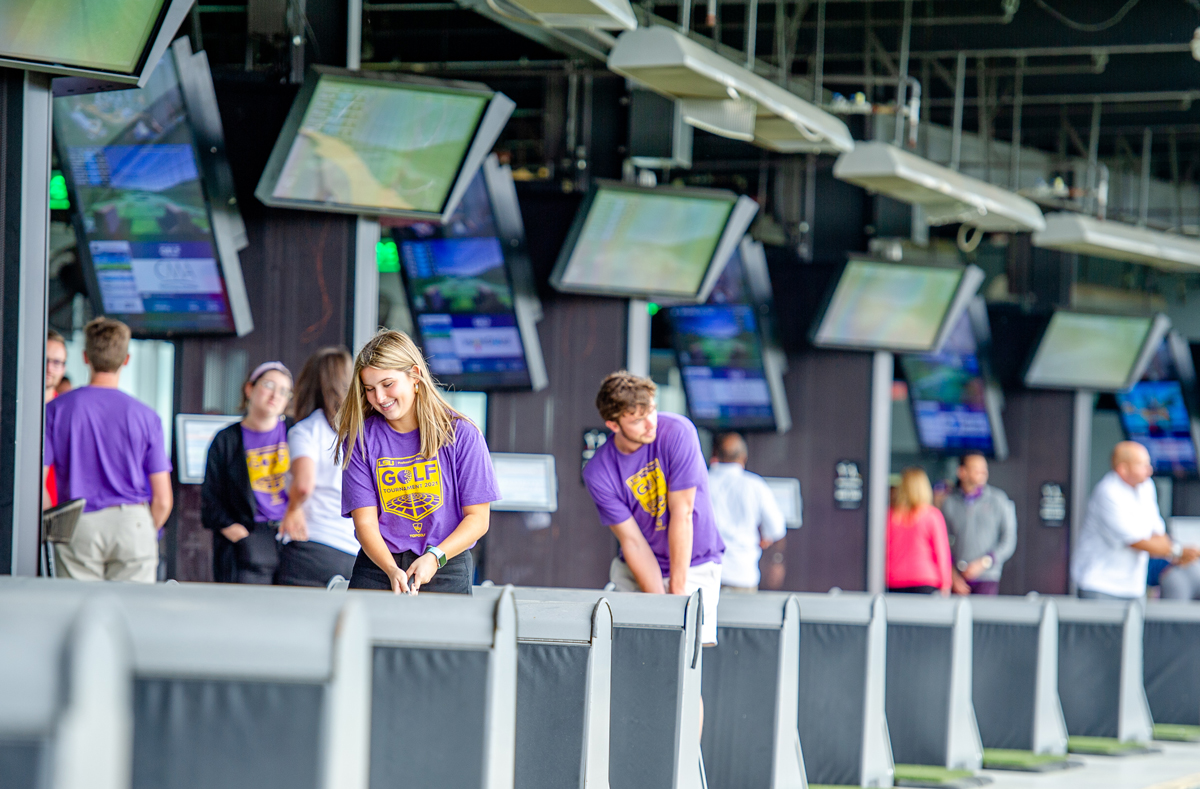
{"type": "Point", "coordinates": [1149, 96]}
{"type": "Point", "coordinates": [1041, 52]}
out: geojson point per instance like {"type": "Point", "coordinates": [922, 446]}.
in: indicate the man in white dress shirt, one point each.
{"type": "Point", "coordinates": [1122, 529]}
{"type": "Point", "coordinates": [748, 517]}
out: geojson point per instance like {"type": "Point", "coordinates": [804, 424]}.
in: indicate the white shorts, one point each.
{"type": "Point", "coordinates": [705, 577]}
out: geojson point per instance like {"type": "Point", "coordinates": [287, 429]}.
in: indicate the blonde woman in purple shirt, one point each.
{"type": "Point", "coordinates": [417, 476]}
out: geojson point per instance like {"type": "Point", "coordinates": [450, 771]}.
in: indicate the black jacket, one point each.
{"type": "Point", "coordinates": [226, 497]}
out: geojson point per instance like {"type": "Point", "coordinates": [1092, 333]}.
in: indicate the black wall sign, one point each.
{"type": "Point", "coordinates": [847, 485]}
{"type": "Point", "coordinates": [592, 440]}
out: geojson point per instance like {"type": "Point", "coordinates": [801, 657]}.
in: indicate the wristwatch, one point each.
{"type": "Point", "coordinates": [438, 554]}
{"type": "Point", "coordinates": [1176, 551]}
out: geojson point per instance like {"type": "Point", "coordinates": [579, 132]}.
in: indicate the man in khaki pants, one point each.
{"type": "Point", "coordinates": [107, 448]}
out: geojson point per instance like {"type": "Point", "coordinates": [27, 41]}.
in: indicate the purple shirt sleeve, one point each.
{"type": "Point", "coordinates": [610, 503]}
{"type": "Point", "coordinates": [156, 459]}
{"type": "Point", "coordinates": [358, 485]}
{"type": "Point", "coordinates": [683, 460]}
{"type": "Point", "coordinates": [474, 477]}
{"type": "Point", "coordinates": [48, 436]}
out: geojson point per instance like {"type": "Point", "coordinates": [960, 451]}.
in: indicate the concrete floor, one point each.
{"type": "Point", "coordinates": [1177, 767]}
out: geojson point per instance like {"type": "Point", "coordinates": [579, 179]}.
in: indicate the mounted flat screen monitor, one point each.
{"type": "Point", "coordinates": [955, 405]}
{"type": "Point", "coordinates": [1157, 411]}
{"type": "Point", "coordinates": [158, 238]}
{"type": "Point", "coordinates": [382, 144]}
{"type": "Point", "coordinates": [119, 41]}
{"type": "Point", "coordinates": [193, 435]}
{"type": "Point", "coordinates": [1105, 353]}
{"type": "Point", "coordinates": [657, 243]}
{"type": "Point", "coordinates": [470, 290]}
{"type": "Point", "coordinates": [528, 483]}
{"type": "Point", "coordinates": [732, 372]}
{"type": "Point", "coordinates": [881, 306]}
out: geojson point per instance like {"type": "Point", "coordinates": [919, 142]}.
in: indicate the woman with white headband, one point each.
{"type": "Point", "coordinates": [244, 496]}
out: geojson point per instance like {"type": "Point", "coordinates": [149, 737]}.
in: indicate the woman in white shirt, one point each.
{"type": "Point", "coordinates": [321, 543]}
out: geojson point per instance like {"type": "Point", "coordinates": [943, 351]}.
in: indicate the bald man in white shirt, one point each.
{"type": "Point", "coordinates": [747, 515]}
{"type": "Point", "coordinates": [1122, 529]}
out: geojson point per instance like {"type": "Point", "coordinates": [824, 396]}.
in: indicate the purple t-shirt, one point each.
{"type": "Point", "coordinates": [637, 484]}
{"type": "Point", "coordinates": [268, 461]}
{"type": "Point", "coordinates": [104, 445]}
{"type": "Point", "coordinates": [420, 501]}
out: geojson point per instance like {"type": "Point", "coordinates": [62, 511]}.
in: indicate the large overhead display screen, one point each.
{"type": "Point", "coordinates": [381, 145]}
{"type": "Point", "coordinates": [952, 404]}
{"type": "Point", "coordinates": [146, 234]}
{"type": "Point", "coordinates": [459, 282]}
{"type": "Point", "coordinates": [1155, 414]}
{"type": "Point", "coordinates": [893, 306]}
{"type": "Point", "coordinates": [657, 243]}
{"type": "Point", "coordinates": [1101, 352]}
{"type": "Point", "coordinates": [113, 39]}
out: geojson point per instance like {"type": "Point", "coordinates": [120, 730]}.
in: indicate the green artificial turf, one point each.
{"type": "Point", "coordinates": [1006, 759]}
{"type": "Point", "coordinates": [1176, 732]}
{"type": "Point", "coordinates": [1103, 746]}
{"type": "Point", "coordinates": [930, 774]}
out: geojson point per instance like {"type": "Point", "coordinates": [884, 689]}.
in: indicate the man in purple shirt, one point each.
{"type": "Point", "coordinates": [107, 448]}
{"type": "Point", "coordinates": [650, 486]}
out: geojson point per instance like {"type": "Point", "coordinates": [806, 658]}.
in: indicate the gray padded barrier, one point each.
{"type": "Point", "coordinates": [244, 687]}
{"type": "Point", "coordinates": [1171, 661]}
{"type": "Point", "coordinates": [751, 695]}
{"type": "Point", "coordinates": [1015, 677]}
{"type": "Point", "coordinates": [843, 664]}
{"type": "Point", "coordinates": [564, 675]}
{"type": "Point", "coordinates": [1100, 669]}
{"type": "Point", "coordinates": [64, 691]}
{"type": "Point", "coordinates": [929, 710]}
{"type": "Point", "coordinates": [654, 737]}
{"type": "Point", "coordinates": [442, 664]}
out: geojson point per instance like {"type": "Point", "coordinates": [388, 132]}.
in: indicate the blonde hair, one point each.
{"type": "Point", "coordinates": [394, 350]}
{"type": "Point", "coordinates": [914, 491]}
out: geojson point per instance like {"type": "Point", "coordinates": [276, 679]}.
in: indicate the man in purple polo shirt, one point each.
{"type": "Point", "coordinates": [650, 485]}
{"type": "Point", "coordinates": [107, 448]}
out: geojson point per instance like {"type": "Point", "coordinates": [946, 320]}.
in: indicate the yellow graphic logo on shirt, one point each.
{"type": "Point", "coordinates": [268, 467]}
{"type": "Point", "coordinates": [649, 487]}
{"type": "Point", "coordinates": [409, 487]}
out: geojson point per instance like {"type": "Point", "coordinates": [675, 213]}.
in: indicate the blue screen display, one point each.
{"type": "Point", "coordinates": [1154, 414]}
{"type": "Point", "coordinates": [948, 393]}
{"type": "Point", "coordinates": [721, 361]}
{"type": "Point", "coordinates": [462, 299]}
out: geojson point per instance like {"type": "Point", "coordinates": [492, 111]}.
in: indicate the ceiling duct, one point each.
{"type": "Point", "coordinates": [1086, 235]}
{"type": "Point", "coordinates": [724, 98]}
{"type": "Point", "coordinates": [947, 196]}
{"type": "Point", "coordinates": [595, 14]}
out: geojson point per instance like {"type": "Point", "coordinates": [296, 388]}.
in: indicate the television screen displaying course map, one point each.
{"type": "Point", "coordinates": [109, 36]}
{"type": "Point", "coordinates": [638, 242]}
{"type": "Point", "coordinates": [1154, 414]}
{"type": "Point", "coordinates": [379, 146]}
{"type": "Point", "coordinates": [1081, 351]}
{"type": "Point", "coordinates": [949, 395]}
{"type": "Point", "coordinates": [130, 158]}
{"type": "Point", "coordinates": [888, 305]}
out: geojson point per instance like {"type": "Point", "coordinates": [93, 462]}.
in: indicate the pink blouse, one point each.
{"type": "Point", "coordinates": [918, 550]}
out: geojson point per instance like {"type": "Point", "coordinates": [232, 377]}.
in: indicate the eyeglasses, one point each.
{"type": "Point", "coordinates": [56, 364]}
{"type": "Point", "coordinates": [275, 388]}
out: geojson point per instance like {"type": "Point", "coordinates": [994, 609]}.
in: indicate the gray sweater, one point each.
{"type": "Point", "coordinates": [984, 525]}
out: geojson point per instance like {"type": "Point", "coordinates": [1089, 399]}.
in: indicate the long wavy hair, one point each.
{"type": "Point", "coordinates": [323, 383]}
{"type": "Point", "coordinates": [394, 350]}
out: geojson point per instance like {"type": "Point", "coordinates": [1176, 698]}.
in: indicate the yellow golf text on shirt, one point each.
{"type": "Point", "coordinates": [410, 488]}
{"type": "Point", "coordinates": [268, 467]}
{"type": "Point", "coordinates": [649, 487]}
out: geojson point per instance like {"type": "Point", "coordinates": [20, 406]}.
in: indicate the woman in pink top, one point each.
{"type": "Point", "coordinates": [918, 550]}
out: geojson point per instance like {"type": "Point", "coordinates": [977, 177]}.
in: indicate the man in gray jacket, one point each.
{"type": "Point", "coordinates": [982, 522]}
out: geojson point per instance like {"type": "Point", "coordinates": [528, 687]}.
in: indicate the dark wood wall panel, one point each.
{"type": "Point", "coordinates": [829, 394]}
{"type": "Point", "coordinates": [1038, 426]}
{"type": "Point", "coordinates": [583, 340]}
{"type": "Point", "coordinates": [297, 272]}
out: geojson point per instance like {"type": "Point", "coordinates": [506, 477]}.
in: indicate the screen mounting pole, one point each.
{"type": "Point", "coordinates": [366, 231]}
{"type": "Point", "coordinates": [1081, 467]}
{"type": "Point", "coordinates": [878, 467]}
{"type": "Point", "coordinates": [637, 338]}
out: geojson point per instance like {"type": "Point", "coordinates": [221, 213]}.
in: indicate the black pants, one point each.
{"type": "Point", "coordinates": [251, 560]}
{"type": "Point", "coordinates": [312, 564]}
{"type": "Point", "coordinates": [454, 578]}
{"type": "Point", "coordinates": [913, 590]}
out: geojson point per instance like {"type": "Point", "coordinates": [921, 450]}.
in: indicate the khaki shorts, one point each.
{"type": "Point", "coordinates": [705, 577]}
{"type": "Point", "coordinates": [113, 544]}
